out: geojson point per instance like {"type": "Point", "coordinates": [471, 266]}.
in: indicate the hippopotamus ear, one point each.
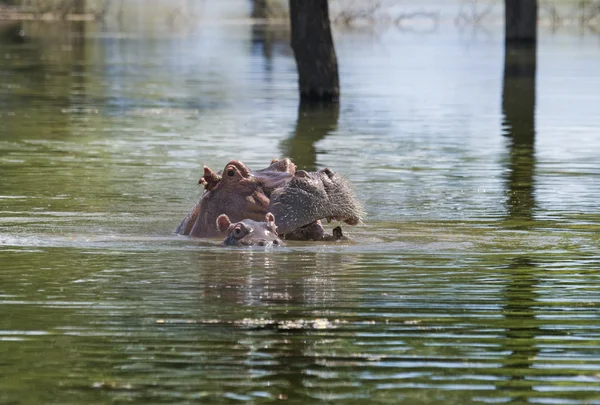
{"type": "Point", "coordinates": [210, 179]}
{"type": "Point", "coordinates": [223, 222]}
{"type": "Point", "coordinates": [270, 218]}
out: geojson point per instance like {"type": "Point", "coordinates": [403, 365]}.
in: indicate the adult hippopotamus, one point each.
{"type": "Point", "coordinates": [297, 198]}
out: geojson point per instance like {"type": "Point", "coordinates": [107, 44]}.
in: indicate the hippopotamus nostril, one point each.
{"type": "Point", "coordinates": [328, 172]}
{"type": "Point", "coordinates": [262, 242]}
{"type": "Point", "coordinates": [276, 242]}
{"type": "Point", "coordinates": [301, 173]}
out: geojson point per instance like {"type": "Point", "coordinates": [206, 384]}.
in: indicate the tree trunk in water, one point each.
{"type": "Point", "coordinates": [520, 18]}
{"type": "Point", "coordinates": [314, 51]}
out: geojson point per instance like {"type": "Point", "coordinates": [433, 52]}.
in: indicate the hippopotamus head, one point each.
{"type": "Point", "coordinates": [308, 197]}
{"type": "Point", "coordinates": [298, 199]}
{"type": "Point", "coordinates": [249, 232]}
{"type": "Point", "coordinates": [236, 192]}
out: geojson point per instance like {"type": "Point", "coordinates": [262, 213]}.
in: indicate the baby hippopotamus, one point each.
{"type": "Point", "coordinates": [248, 232]}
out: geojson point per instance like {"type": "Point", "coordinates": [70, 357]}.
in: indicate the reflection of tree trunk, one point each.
{"type": "Point", "coordinates": [260, 9]}
{"type": "Point", "coordinates": [315, 121]}
{"type": "Point", "coordinates": [12, 32]}
{"type": "Point", "coordinates": [518, 106]}
{"type": "Point", "coordinates": [520, 324]}
{"type": "Point", "coordinates": [314, 51]}
{"type": "Point", "coordinates": [262, 37]}
{"type": "Point", "coordinates": [78, 93]}
{"type": "Point", "coordinates": [78, 6]}
{"type": "Point", "coordinates": [520, 20]}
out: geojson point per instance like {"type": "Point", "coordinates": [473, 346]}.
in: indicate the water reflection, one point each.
{"type": "Point", "coordinates": [314, 122]}
{"type": "Point", "coordinates": [78, 42]}
{"type": "Point", "coordinates": [279, 303]}
{"type": "Point", "coordinates": [518, 107]}
{"type": "Point", "coordinates": [264, 278]}
{"type": "Point", "coordinates": [12, 32]}
{"type": "Point", "coordinates": [522, 330]}
{"type": "Point", "coordinates": [268, 39]}
{"type": "Point", "coordinates": [259, 9]}
{"type": "Point", "coordinates": [43, 76]}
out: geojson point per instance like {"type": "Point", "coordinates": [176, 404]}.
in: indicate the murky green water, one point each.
{"type": "Point", "coordinates": [475, 278]}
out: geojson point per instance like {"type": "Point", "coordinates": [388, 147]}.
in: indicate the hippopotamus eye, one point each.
{"type": "Point", "coordinates": [230, 173]}
{"type": "Point", "coordinates": [237, 232]}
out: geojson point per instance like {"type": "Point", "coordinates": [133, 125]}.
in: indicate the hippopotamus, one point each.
{"type": "Point", "coordinates": [249, 232]}
{"type": "Point", "coordinates": [297, 198]}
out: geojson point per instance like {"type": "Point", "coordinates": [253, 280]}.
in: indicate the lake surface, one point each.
{"type": "Point", "coordinates": [475, 277]}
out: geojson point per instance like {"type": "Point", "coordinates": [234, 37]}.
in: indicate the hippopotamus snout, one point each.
{"type": "Point", "coordinates": [268, 243]}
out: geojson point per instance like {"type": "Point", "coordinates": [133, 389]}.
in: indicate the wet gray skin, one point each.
{"type": "Point", "coordinates": [249, 232]}
{"type": "Point", "coordinates": [310, 196]}
{"type": "Point", "coordinates": [298, 199]}
{"type": "Point", "coordinates": [314, 231]}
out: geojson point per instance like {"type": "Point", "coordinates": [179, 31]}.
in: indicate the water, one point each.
{"type": "Point", "coordinates": [474, 278]}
